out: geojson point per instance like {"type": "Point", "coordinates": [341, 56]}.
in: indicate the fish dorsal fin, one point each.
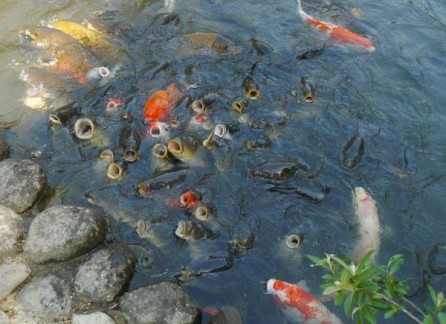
{"type": "Point", "coordinates": [303, 284]}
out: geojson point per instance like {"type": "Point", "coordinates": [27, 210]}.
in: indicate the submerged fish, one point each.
{"type": "Point", "coordinates": [58, 43]}
{"type": "Point", "coordinates": [85, 36]}
{"type": "Point", "coordinates": [71, 57]}
{"type": "Point", "coordinates": [368, 223]}
{"type": "Point", "coordinates": [160, 105]}
{"type": "Point", "coordinates": [89, 38]}
{"type": "Point", "coordinates": [298, 305]}
{"type": "Point", "coordinates": [337, 33]}
{"type": "Point", "coordinates": [213, 41]}
{"type": "Point", "coordinates": [46, 81]}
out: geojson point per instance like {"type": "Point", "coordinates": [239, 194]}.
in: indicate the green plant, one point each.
{"type": "Point", "coordinates": [366, 289]}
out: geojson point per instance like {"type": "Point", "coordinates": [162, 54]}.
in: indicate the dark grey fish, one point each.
{"type": "Point", "coordinates": [307, 89]}
{"type": "Point", "coordinates": [164, 181]}
{"type": "Point", "coordinates": [310, 54]}
{"type": "Point", "coordinates": [62, 115]}
{"type": "Point", "coordinates": [278, 170]}
{"type": "Point", "coordinates": [129, 140]}
{"type": "Point", "coordinates": [353, 152]}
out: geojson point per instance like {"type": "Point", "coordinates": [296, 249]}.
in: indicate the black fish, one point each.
{"type": "Point", "coordinates": [310, 54]}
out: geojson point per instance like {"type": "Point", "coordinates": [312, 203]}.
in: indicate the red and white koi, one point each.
{"type": "Point", "coordinates": [368, 223]}
{"type": "Point", "coordinates": [298, 305]}
{"type": "Point", "coordinates": [337, 33]}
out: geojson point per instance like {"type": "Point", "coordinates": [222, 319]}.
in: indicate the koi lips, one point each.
{"type": "Point", "coordinates": [342, 35]}
{"type": "Point", "coordinates": [189, 199]}
{"type": "Point", "coordinates": [299, 305]}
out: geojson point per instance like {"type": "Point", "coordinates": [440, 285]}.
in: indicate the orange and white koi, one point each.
{"type": "Point", "coordinates": [160, 105]}
{"type": "Point", "coordinates": [368, 224]}
{"type": "Point", "coordinates": [298, 305]}
{"type": "Point", "coordinates": [337, 33]}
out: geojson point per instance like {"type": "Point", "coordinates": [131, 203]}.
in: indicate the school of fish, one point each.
{"type": "Point", "coordinates": [84, 58]}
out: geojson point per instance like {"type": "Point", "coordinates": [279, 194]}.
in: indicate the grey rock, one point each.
{"type": "Point", "coordinates": [22, 182]}
{"type": "Point", "coordinates": [11, 228]}
{"type": "Point", "coordinates": [96, 318]}
{"type": "Point", "coordinates": [105, 274]}
{"type": "Point", "coordinates": [4, 319]}
{"type": "Point", "coordinates": [46, 298]}
{"type": "Point", "coordinates": [4, 150]}
{"type": "Point", "coordinates": [12, 274]}
{"type": "Point", "coordinates": [63, 232]}
{"type": "Point", "coordinates": [165, 303]}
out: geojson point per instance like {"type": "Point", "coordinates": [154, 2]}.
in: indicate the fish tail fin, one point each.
{"type": "Point", "coordinates": [301, 12]}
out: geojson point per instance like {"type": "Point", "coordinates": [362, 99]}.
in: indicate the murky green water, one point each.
{"type": "Point", "coordinates": [392, 98]}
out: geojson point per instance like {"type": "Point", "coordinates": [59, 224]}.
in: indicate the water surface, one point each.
{"type": "Point", "coordinates": [392, 98]}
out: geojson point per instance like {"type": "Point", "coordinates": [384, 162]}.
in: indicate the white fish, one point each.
{"type": "Point", "coordinates": [368, 223]}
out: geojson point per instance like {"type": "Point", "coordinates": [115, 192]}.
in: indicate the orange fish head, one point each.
{"type": "Point", "coordinates": [157, 107]}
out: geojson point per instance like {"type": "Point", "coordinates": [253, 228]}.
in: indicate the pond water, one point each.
{"type": "Point", "coordinates": [392, 100]}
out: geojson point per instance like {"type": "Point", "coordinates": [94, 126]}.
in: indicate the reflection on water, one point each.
{"type": "Point", "coordinates": [375, 122]}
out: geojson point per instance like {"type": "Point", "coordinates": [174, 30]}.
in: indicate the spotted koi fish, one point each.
{"type": "Point", "coordinates": [298, 305]}
{"type": "Point", "coordinates": [337, 33]}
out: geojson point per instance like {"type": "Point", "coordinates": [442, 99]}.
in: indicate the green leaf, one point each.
{"type": "Point", "coordinates": [359, 319]}
{"type": "Point", "coordinates": [370, 287]}
{"type": "Point", "coordinates": [364, 276]}
{"type": "Point", "coordinates": [341, 262]}
{"type": "Point", "coordinates": [433, 294]}
{"type": "Point", "coordinates": [340, 297]}
{"type": "Point", "coordinates": [428, 319]}
{"type": "Point", "coordinates": [379, 304]}
{"type": "Point", "coordinates": [369, 315]}
{"type": "Point", "coordinates": [329, 276]}
{"type": "Point", "coordinates": [395, 263]}
{"type": "Point", "coordinates": [389, 290]}
{"type": "Point", "coordinates": [315, 260]}
{"type": "Point", "coordinates": [345, 275]}
{"type": "Point", "coordinates": [365, 259]}
{"type": "Point", "coordinates": [441, 318]}
{"type": "Point", "coordinates": [347, 286]}
{"type": "Point", "coordinates": [389, 314]}
{"type": "Point", "coordinates": [330, 290]}
{"type": "Point", "coordinates": [401, 289]}
{"type": "Point", "coordinates": [350, 301]}
{"type": "Point", "coordinates": [440, 299]}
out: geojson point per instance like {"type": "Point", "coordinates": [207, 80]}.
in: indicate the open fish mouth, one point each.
{"type": "Point", "coordinates": [84, 128]}
{"type": "Point", "coordinates": [293, 241]}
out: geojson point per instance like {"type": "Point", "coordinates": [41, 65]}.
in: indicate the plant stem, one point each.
{"type": "Point", "coordinates": [404, 310]}
{"type": "Point", "coordinates": [413, 305]}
